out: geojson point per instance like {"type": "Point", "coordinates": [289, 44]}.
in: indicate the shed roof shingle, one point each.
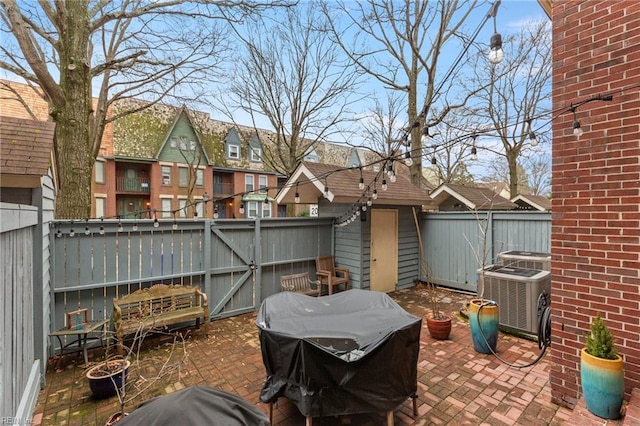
{"type": "Point", "coordinates": [25, 146]}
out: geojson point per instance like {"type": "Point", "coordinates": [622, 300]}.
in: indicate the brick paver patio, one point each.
{"type": "Point", "coordinates": [456, 385]}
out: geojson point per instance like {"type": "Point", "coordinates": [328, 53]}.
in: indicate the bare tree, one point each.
{"type": "Point", "coordinates": [539, 172]}
{"type": "Point", "coordinates": [399, 45]}
{"type": "Point", "coordinates": [520, 97]}
{"type": "Point", "coordinates": [449, 148]}
{"type": "Point", "coordinates": [295, 77]}
{"type": "Point", "coordinates": [382, 124]}
{"type": "Point", "coordinates": [73, 50]}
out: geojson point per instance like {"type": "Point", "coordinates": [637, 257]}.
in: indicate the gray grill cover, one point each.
{"type": "Point", "coordinates": [351, 352]}
{"type": "Point", "coordinates": [196, 406]}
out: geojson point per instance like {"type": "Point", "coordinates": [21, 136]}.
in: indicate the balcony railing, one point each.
{"type": "Point", "coordinates": [222, 188]}
{"type": "Point", "coordinates": [140, 185]}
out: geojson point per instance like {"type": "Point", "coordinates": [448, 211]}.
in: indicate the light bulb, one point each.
{"type": "Point", "coordinates": [424, 136]}
{"type": "Point", "coordinates": [434, 161]}
{"type": "Point", "coordinates": [496, 54]}
{"type": "Point", "coordinates": [241, 208]}
{"type": "Point", "coordinates": [384, 184]}
{"type": "Point", "coordinates": [532, 139]}
{"type": "Point", "coordinates": [358, 212]}
{"type": "Point", "coordinates": [296, 199]}
{"type": "Point", "coordinates": [72, 233]}
{"type": "Point", "coordinates": [120, 227]}
{"type": "Point", "coordinates": [364, 207]}
{"type": "Point", "coordinates": [215, 213]}
{"type": "Point", "coordinates": [474, 153]}
{"type": "Point", "coordinates": [155, 222]}
{"type": "Point", "coordinates": [577, 130]}
{"type": "Point", "coordinates": [369, 202]}
{"type": "Point", "coordinates": [375, 194]}
{"type": "Point", "coordinates": [326, 191]}
{"type": "Point", "coordinates": [392, 177]}
{"type": "Point", "coordinates": [86, 230]}
{"type": "Point", "coordinates": [407, 159]}
{"type": "Point", "coordinates": [135, 226]}
{"type": "Point", "coordinates": [59, 233]}
{"type": "Point", "coordinates": [101, 232]}
{"type": "Point", "coordinates": [361, 183]}
{"type": "Point", "coordinates": [175, 225]}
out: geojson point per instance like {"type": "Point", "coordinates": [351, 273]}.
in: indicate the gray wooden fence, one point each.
{"type": "Point", "coordinates": [237, 262]}
{"type": "Point", "coordinates": [19, 368]}
{"type": "Point", "coordinates": [458, 243]}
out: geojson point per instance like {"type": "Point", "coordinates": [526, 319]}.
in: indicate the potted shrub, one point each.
{"type": "Point", "coordinates": [601, 372]}
{"type": "Point", "coordinates": [439, 323]}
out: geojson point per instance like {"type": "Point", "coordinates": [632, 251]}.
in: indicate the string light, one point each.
{"type": "Point", "coordinates": [361, 182]}
{"type": "Point", "coordinates": [120, 227]}
{"type": "Point", "coordinates": [408, 161]}
{"type": "Point", "coordinates": [384, 184]}
{"type": "Point", "coordinates": [241, 208]}
{"type": "Point", "coordinates": [326, 189]}
{"type": "Point", "coordinates": [215, 212]}
{"type": "Point", "coordinates": [135, 226]}
{"type": "Point", "coordinates": [474, 150]}
{"type": "Point", "coordinates": [424, 135]}
{"type": "Point", "coordinates": [577, 130]}
{"type": "Point", "coordinates": [101, 232]}
{"type": "Point", "coordinates": [496, 54]}
{"type": "Point", "coordinates": [59, 233]}
{"type": "Point", "coordinates": [296, 199]}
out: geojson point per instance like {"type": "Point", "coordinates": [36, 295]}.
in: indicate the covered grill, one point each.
{"type": "Point", "coordinates": [351, 352]}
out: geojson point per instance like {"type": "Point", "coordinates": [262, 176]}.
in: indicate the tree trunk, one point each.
{"type": "Point", "coordinates": [512, 161]}
{"type": "Point", "coordinates": [74, 153]}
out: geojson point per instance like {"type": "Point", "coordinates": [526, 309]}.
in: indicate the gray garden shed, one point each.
{"type": "Point", "coordinates": [380, 247]}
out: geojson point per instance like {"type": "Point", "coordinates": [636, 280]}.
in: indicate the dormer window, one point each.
{"type": "Point", "coordinates": [233, 152]}
{"type": "Point", "coordinates": [256, 155]}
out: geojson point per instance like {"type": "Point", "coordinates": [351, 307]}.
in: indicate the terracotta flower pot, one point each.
{"type": "Point", "coordinates": [439, 329]}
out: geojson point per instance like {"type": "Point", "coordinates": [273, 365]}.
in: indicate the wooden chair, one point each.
{"type": "Point", "coordinates": [329, 275]}
{"type": "Point", "coordinates": [300, 283]}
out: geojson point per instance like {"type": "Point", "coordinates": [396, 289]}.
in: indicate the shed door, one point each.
{"type": "Point", "coordinates": [384, 250]}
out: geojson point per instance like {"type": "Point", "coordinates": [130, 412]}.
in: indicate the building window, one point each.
{"type": "Point", "coordinates": [183, 176]}
{"type": "Point", "coordinates": [182, 205]}
{"type": "Point", "coordinates": [248, 183]}
{"type": "Point", "coordinates": [234, 152]}
{"type": "Point", "coordinates": [166, 175]}
{"type": "Point", "coordinates": [99, 170]}
{"type": "Point", "coordinates": [256, 155]}
{"type": "Point", "coordinates": [183, 143]}
{"type": "Point", "coordinates": [252, 209]}
{"type": "Point", "coordinates": [192, 145]}
{"type": "Point", "coordinates": [166, 204]}
{"type": "Point", "coordinates": [262, 184]}
{"type": "Point", "coordinates": [199, 177]}
{"type": "Point", "coordinates": [100, 206]}
{"type": "Point", "coordinates": [173, 143]}
{"type": "Point", "coordinates": [266, 209]}
{"type": "Point", "coordinates": [199, 207]}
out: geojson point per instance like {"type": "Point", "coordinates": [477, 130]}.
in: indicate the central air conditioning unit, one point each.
{"type": "Point", "coordinates": [516, 290]}
{"type": "Point", "coordinates": [525, 259]}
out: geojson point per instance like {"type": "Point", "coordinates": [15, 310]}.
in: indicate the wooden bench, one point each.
{"type": "Point", "coordinates": [157, 307]}
{"type": "Point", "coordinates": [300, 283]}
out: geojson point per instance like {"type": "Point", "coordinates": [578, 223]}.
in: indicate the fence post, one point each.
{"type": "Point", "coordinates": [258, 266]}
{"type": "Point", "coordinates": [207, 223]}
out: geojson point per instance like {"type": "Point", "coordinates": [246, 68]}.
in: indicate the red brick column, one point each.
{"type": "Point", "coordinates": [596, 186]}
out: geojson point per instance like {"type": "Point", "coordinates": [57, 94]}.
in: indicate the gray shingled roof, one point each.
{"type": "Point", "coordinates": [474, 198]}
{"type": "Point", "coordinates": [25, 146]}
{"type": "Point", "coordinates": [343, 184]}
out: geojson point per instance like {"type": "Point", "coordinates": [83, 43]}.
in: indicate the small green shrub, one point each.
{"type": "Point", "coordinates": [600, 341]}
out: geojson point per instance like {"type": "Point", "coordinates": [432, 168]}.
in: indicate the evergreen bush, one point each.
{"type": "Point", "coordinates": [600, 341]}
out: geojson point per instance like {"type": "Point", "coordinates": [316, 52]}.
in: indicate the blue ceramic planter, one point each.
{"type": "Point", "coordinates": [104, 385]}
{"type": "Point", "coordinates": [602, 385]}
{"type": "Point", "coordinates": [483, 319]}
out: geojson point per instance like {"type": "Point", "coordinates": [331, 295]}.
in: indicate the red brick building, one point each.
{"type": "Point", "coordinates": [596, 185]}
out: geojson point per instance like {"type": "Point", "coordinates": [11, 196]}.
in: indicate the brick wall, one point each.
{"type": "Point", "coordinates": [596, 186]}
